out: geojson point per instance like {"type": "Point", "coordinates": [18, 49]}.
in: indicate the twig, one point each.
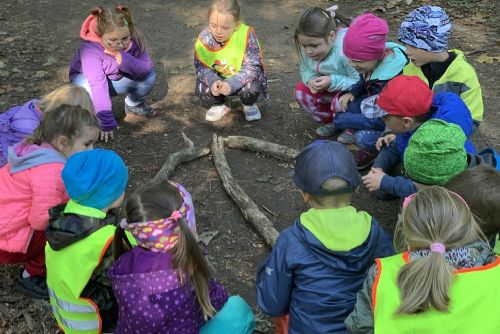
{"type": "Point", "coordinates": [247, 207]}
{"type": "Point", "coordinates": [278, 151]}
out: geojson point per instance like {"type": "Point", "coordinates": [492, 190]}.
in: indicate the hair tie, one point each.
{"type": "Point", "coordinates": [437, 247]}
{"type": "Point", "coordinates": [332, 10]}
{"type": "Point", "coordinates": [175, 215]}
{"type": "Point", "coordinates": [123, 223]}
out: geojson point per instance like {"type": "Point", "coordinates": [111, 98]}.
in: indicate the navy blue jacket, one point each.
{"type": "Point", "coordinates": [315, 285]}
{"type": "Point", "coordinates": [446, 106]}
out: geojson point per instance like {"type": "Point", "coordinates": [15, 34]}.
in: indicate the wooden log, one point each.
{"type": "Point", "coordinates": [247, 207]}
{"type": "Point", "coordinates": [188, 153]}
{"type": "Point", "coordinates": [275, 150]}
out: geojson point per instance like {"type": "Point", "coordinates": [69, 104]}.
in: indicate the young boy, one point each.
{"type": "Point", "coordinates": [480, 188]}
{"type": "Point", "coordinates": [425, 31]}
{"type": "Point", "coordinates": [318, 264]}
{"type": "Point", "coordinates": [79, 236]}
{"type": "Point", "coordinates": [405, 104]}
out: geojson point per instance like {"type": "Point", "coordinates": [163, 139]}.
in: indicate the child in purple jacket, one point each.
{"type": "Point", "coordinates": [164, 285]}
{"type": "Point", "coordinates": [113, 60]}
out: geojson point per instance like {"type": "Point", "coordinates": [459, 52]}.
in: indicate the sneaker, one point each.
{"type": "Point", "coordinates": [252, 113]}
{"type": "Point", "coordinates": [216, 113]}
{"type": "Point", "coordinates": [34, 286]}
{"type": "Point", "coordinates": [364, 159]}
{"type": "Point", "coordinates": [346, 137]}
{"type": "Point", "coordinates": [326, 130]}
{"type": "Point", "coordinates": [141, 110]}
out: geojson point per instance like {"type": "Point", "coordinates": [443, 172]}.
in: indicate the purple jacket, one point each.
{"type": "Point", "coordinates": [15, 124]}
{"type": "Point", "coordinates": [99, 67]}
{"type": "Point", "coordinates": [151, 299]}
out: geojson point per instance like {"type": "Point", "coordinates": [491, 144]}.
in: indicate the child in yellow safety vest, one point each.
{"type": "Point", "coordinates": [228, 61]}
{"type": "Point", "coordinates": [444, 282]}
{"type": "Point", "coordinates": [80, 235]}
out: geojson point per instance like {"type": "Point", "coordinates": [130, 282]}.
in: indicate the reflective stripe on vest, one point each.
{"type": "Point", "coordinates": [473, 294]}
{"type": "Point", "coordinates": [68, 272]}
{"type": "Point", "coordinates": [228, 60]}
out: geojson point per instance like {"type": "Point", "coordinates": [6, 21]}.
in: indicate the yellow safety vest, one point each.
{"type": "Point", "coordinates": [228, 60]}
{"type": "Point", "coordinates": [68, 272]}
{"type": "Point", "coordinates": [474, 299]}
{"type": "Point", "coordinates": [459, 78]}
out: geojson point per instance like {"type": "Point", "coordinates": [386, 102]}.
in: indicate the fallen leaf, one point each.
{"type": "Point", "coordinates": [485, 59]}
{"type": "Point", "coordinates": [294, 105]}
{"type": "Point", "coordinates": [263, 178]}
{"type": "Point", "coordinates": [41, 74]}
{"type": "Point", "coordinates": [207, 236]}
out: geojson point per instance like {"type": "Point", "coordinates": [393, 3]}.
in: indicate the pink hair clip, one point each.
{"type": "Point", "coordinates": [437, 247]}
{"type": "Point", "coordinates": [175, 215]}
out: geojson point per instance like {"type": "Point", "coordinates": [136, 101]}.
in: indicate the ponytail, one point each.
{"type": "Point", "coordinates": [120, 240]}
{"type": "Point", "coordinates": [136, 35]}
{"type": "Point", "coordinates": [190, 261]}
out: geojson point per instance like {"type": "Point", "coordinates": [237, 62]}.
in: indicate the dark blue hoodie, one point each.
{"type": "Point", "coordinates": [315, 285]}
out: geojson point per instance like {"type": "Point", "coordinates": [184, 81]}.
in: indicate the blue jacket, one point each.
{"type": "Point", "coordinates": [316, 286]}
{"type": "Point", "coordinates": [446, 106]}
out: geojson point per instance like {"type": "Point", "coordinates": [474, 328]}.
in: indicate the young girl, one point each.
{"type": "Point", "coordinates": [112, 60]}
{"type": "Point", "coordinates": [444, 282]}
{"type": "Point", "coordinates": [377, 62]}
{"type": "Point", "coordinates": [164, 285]}
{"type": "Point", "coordinates": [21, 121]}
{"type": "Point", "coordinates": [228, 61]}
{"type": "Point", "coordinates": [324, 69]}
{"type": "Point", "coordinates": [31, 184]}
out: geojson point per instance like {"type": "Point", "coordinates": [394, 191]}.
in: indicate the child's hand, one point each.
{"type": "Point", "coordinates": [106, 135]}
{"type": "Point", "coordinates": [320, 84]}
{"type": "Point", "coordinates": [225, 89]}
{"type": "Point", "coordinates": [118, 58]}
{"type": "Point", "coordinates": [311, 88]}
{"type": "Point", "coordinates": [215, 89]}
{"type": "Point", "coordinates": [373, 179]}
{"type": "Point", "coordinates": [385, 140]}
{"type": "Point", "coordinates": [344, 100]}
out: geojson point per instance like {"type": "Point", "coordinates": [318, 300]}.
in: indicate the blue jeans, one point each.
{"type": "Point", "coordinates": [352, 118]}
{"type": "Point", "coordinates": [137, 90]}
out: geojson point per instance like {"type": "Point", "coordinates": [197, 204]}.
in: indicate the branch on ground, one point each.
{"type": "Point", "coordinates": [277, 151]}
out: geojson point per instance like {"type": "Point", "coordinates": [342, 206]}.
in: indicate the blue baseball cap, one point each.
{"type": "Point", "coordinates": [321, 161]}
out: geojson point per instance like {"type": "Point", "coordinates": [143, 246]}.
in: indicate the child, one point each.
{"type": "Point", "coordinates": [377, 62]}
{"type": "Point", "coordinates": [425, 31]}
{"type": "Point", "coordinates": [31, 183]}
{"type": "Point", "coordinates": [405, 103]}
{"type": "Point", "coordinates": [324, 69]}
{"type": "Point", "coordinates": [112, 60]}
{"type": "Point", "coordinates": [443, 282]}
{"type": "Point", "coordinates": [480, 188]}
{"type": "Point", "coordinates": [79, 236]}
{"type": "Point", "coordinates": [21, 121]}
{"type": "Point", "coordinates": [228, 61]}
{"type": "Point", "coordinates": [164, 285]}
{"type": "Point", "coordinates": [317, 265]}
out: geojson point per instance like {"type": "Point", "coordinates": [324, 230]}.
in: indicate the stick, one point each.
{"type": "Point", "coordinates": [186, 154]}
{"type": "Point", "coordinates": [247, 207]}
{"type": "Point", "coordinates": [278, 151]}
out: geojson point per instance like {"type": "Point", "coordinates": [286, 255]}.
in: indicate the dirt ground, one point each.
{"type": "Point", "coordinates": [38, 39]}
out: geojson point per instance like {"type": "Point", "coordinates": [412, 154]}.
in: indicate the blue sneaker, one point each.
{"type": "Point", "coordinates": [252, 113]}
{"type": "Point", "coordinates": [141, 110]}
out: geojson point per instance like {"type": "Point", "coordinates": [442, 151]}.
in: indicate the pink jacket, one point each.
{"type": "Point", "coordinates": [30, 184]}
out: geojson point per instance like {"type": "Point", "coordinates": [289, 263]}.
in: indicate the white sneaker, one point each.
{"type": "Point", "coordinates": [252, 113]}
{"type": "Point", "coordinates": [215, 113]}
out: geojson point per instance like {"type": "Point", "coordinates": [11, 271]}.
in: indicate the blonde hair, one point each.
{"type": "Point", "coordinates": [230, 7]}
{"type": "Point", "coordinates": [333, 184]}
{"type": "Point", "coordinates": [119, 17]}
{"type": "Point", "coordinates": [69, 94]}
{"type": "Point", "coordinates": [434, 215]}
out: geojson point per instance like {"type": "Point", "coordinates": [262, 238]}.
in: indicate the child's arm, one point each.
{"type": "Point", "coordinates": [306, 73]}
{"type": "Point", "coordinates": [399, 186]}
{"type": "Point", "coordinates": [138, 68]}
{"type": "Point", "coordinates": [251, 66]}
{"type": "Point", "coordinates": [47, 191]}
{"type": "Point", "coordinates": [204, 74]}
{"type": "Point", "coordinates": [358, 88]}
{"type": "Point", "coordinates": [343, 82]}
{"type": "Point", "coordinates": [360, 321]}
{"type": "Point", "coordinates": [387, 158]}
{"type": "Point", "coordinates": [274, 282]}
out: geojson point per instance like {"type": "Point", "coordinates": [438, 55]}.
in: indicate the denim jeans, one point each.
{"type": "Point", "coordinates": [137, 90]}
{"type": "Point", "coordinates": [352, 118]}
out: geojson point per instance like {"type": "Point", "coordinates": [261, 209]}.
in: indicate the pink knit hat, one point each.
{"type": "Point", "coordinates": [365, 38]}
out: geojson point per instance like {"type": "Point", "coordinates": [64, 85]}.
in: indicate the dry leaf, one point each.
{"type": "Point", "coordinates": [485, 59]}
{"type": "Point", "coordinates": [294, 105]}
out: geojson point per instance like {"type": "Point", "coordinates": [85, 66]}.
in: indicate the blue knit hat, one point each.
{"type": "Point", "coordinates": [321, 161]}
{"type": "Point", "coordinates": [95, 178]}
{"type": "Point", "coordinates": [426, 28]}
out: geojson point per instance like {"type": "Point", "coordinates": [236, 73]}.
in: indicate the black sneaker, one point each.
{"type": "Point", "coordinates": [141, 110]}
{"type": "Point", "coordinates": [33, 286]}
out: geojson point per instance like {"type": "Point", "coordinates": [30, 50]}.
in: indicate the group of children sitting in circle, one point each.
{"type": "Point", "coordinates": [334, 270]}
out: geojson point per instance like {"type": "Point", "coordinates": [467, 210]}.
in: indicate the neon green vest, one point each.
{"type": "Point", "coordinates": [472, 309]}
{"type": "Point", "coordinates": [68, 272]}
{"type": "Point", "coordinates": [226, 61]}
{"type": "Point", "coordinates": [459, 78]}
